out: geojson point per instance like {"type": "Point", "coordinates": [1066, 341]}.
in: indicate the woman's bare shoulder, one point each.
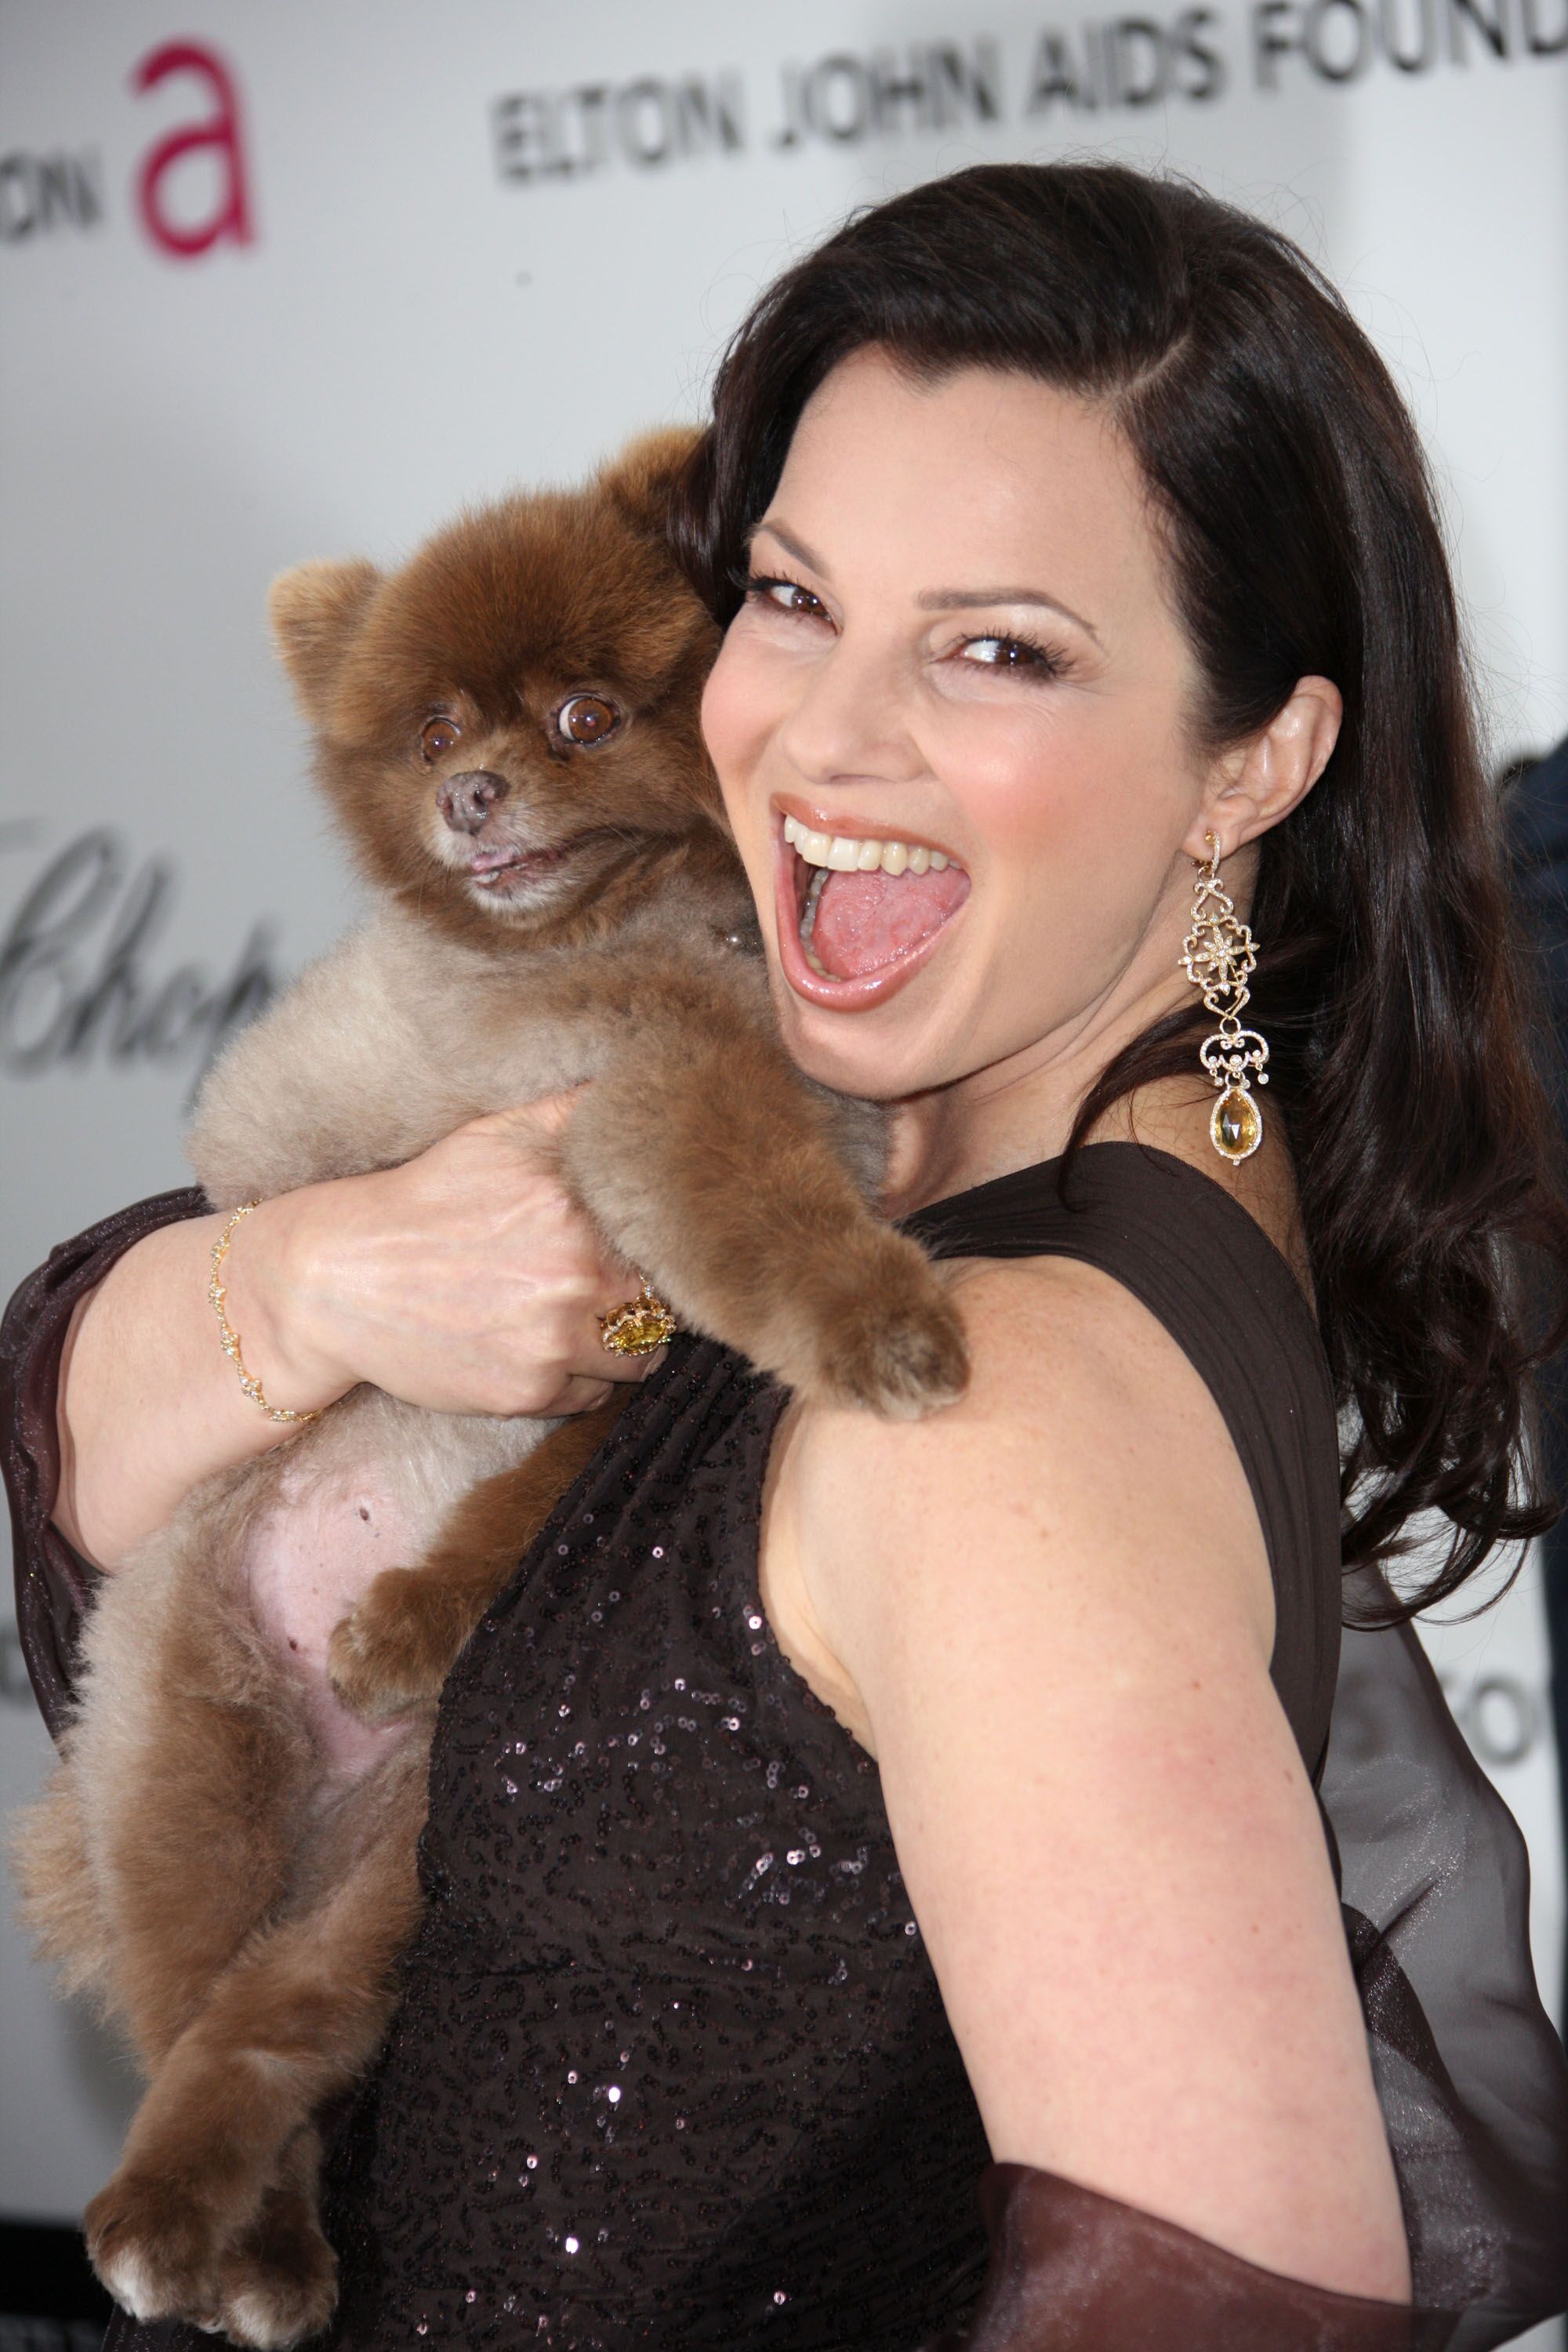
{"type": "Point", "coordinates": [1084, 1424]}
{"type": "Point", "coordinates": [1084, 1431]}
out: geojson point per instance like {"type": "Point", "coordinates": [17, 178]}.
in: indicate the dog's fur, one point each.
{"type": "Point", "coordinates": [232, 1889]}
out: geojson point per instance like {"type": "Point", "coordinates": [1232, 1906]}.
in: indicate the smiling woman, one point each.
{"type": "Point", "coordinates": [836, 1814]}
{"type": "Point", "coordinates": [1011, 732]}
{"type": "Point", "coordinates": [990, 821]}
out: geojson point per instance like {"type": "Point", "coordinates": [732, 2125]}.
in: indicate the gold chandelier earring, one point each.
{"type": "Point", "coordinates": [1219, 954]}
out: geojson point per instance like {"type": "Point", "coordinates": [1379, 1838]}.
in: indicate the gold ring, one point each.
{"type": "Point", "coordinates": [638, 1328]}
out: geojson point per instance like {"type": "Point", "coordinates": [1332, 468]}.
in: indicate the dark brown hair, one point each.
{"type": "Point", "coordinates": [1302, 538]}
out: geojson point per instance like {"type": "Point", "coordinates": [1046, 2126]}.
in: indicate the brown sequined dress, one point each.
{"type": "Point", "coordinates": [672, 2068]}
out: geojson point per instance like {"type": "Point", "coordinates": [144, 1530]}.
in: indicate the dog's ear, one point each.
{"type": "Point", "coordinates": [641, 479]}
{"type": "Point", "coordinates": [315, 611]}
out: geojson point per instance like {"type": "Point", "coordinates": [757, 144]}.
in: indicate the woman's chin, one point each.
{"type": "Point", "coordinates": [879, 1059]}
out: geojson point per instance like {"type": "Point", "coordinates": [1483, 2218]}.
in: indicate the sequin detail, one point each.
{"type": "Point", "coordinates": [672, 2068]}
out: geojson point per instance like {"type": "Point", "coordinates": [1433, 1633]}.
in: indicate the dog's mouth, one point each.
{"type": "Point", "coordinates": [866, 910]}
{"type": "Point", "coordinates": [509, 869]}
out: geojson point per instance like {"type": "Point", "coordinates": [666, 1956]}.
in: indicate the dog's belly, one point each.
{"type": "Point", "coordinates": [306, 1561]}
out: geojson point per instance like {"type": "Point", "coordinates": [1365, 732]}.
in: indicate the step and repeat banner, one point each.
{"type": "Point", "coordinates": [298, 279]}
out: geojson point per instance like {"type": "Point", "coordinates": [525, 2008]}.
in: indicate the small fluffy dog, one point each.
{"type": "Point", "coordinates": [507, 731]}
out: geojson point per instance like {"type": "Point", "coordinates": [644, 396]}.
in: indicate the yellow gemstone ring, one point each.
{"type": "Point", "coordinates": [639, 1327]}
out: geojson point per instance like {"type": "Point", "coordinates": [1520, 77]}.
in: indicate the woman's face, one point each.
{"type": "Point", "coordinates": [958, 647]}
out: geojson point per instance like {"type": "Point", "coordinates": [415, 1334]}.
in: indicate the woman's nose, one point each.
{"type": "Point", "coordinates": [851, 719]}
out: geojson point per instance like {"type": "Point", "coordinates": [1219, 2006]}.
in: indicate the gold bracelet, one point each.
{"type": "Point", "coordinates": [228, 1337]}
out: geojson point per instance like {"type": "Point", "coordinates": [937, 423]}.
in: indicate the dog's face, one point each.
{"type": "Point", "coordinates": [508, 726]}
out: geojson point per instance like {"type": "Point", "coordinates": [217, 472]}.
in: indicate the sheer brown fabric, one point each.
{"type": "Point", "coordinates": [1473, 2080]}
{"type": "Point", "coordinates": [54, 1583]}
{"type": "Point", "coordinates": [1074, 2272]}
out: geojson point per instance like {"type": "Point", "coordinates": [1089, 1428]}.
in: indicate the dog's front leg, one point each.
{"type": "Point", "coordinates": [404, 1635]}
{"type": "Point", "coordinates": [711, 1164]}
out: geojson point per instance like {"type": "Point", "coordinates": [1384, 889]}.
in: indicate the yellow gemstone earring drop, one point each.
{"type": "Point", "coordinates": [1218, 954]}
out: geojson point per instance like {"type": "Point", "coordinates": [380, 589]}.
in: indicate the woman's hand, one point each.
{"type": "Point", "coordinates": [464, 1281]}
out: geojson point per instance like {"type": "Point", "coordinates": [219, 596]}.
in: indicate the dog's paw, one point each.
{"type": "Point", "coordinates": [156, 2247]}
{"type": "Point", "coordinates": [890, 1340]}
{"type": "Point", "coordinates": [278, 2285]}
{"type": "Point", "coordinates": [389, 1653]}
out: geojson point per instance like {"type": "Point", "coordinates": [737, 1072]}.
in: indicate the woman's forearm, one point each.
{"type": "Point", "coordinates": [149, 1404]}
{"type": "Point", "coordinates": [464, 1281]}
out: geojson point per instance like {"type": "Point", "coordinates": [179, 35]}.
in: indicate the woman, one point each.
{"type": "Point", "coordinates": [833, 1804]}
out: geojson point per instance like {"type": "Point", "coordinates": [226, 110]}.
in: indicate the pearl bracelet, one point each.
{"type": "Point", "coordinates": [228, 1337]}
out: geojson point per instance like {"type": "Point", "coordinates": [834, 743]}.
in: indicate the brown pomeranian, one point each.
{"type": "Point", "coordinates": [507, 731]}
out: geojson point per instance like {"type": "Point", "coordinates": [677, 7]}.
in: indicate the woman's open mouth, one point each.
{"type": "Point", "coordinates": [859, 914]}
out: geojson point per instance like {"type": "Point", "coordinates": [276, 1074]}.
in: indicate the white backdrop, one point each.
{"type": "Point", "coordinates": [294, 280]}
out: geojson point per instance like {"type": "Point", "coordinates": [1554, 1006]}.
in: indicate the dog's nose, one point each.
{"type": "Point", "coordinates": [467, 800]}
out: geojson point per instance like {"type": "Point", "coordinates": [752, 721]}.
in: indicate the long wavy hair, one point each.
{"type": "Point", "coordinates": [1302, 538]}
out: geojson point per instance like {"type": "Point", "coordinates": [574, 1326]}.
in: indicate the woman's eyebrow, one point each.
{"type": "Point", "coordinates": [949, 600]}
{"type": "Point", "coordinates": [792, 546]}
{"type": "Point", "coordinates": [933, 600]}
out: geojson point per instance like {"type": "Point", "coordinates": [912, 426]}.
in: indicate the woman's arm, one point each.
{"type": "Point", "coordinates": [53, 1583]}
{"type": "Point", "coordinates": [1053, 1604]}
{"type": "Point", "coordinates": [465, 1281]}
{"type": "Point", "coordinates": [142, 1410]}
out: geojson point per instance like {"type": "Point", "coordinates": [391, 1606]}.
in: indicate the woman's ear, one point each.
{"type": "Point", "coordinates": [1262, 780]}
{"type": "Point", "coordinates": [316, 611]}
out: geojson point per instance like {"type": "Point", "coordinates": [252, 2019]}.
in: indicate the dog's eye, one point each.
{"type": "Point", "coordinates": [587, 719]}
{"type": "Point", "coordinates": [438, 735]}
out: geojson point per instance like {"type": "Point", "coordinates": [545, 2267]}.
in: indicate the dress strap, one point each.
{"type": "Point", "coordinates": [1208, 1272]}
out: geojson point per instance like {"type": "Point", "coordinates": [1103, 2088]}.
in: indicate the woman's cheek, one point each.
{"type": "Point", "coordinates": [733, 716]}
{"type": "Point", "coordinates": [735, 728]}
{"type": "Point", "coordinates": [1020, 786]}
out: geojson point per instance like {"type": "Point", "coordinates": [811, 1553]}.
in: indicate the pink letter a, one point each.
{"type": "Point", "coordinates": [232, 216]}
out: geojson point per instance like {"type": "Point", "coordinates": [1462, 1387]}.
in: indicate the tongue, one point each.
{"type": "Point", "coordinates": [864, 920]}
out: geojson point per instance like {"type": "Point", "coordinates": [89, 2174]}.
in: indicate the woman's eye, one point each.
{"type": "Point", "coordinates": [587, 719]}
{"type": "Point", "coordinates": [1011, 653]}
{"type": "Point", "coordinates": [786, 596]}
{"type": "Point", "coordinates": [438, 735]}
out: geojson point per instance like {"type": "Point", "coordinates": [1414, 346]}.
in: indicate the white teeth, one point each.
{"type": "Point", "coordinates": [843, 853]}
